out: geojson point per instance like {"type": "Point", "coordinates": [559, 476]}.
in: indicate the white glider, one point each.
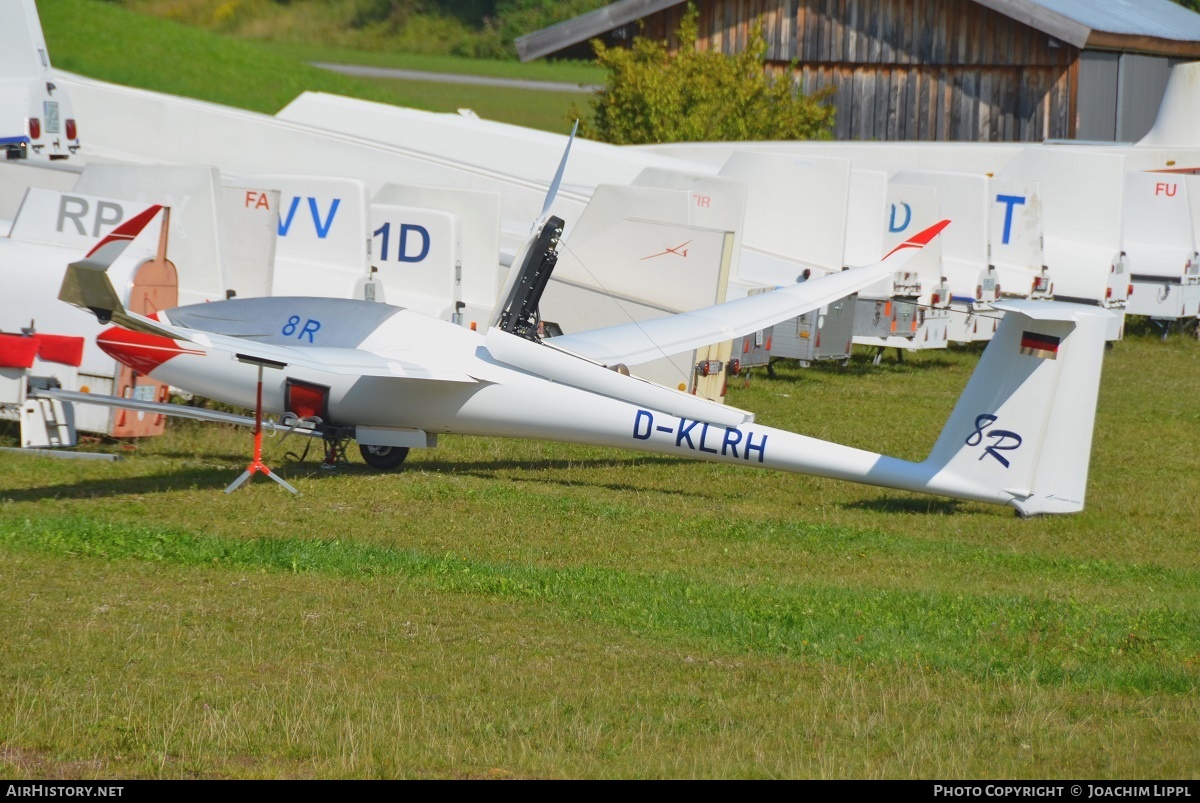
{"type": "Point", "coordinates": [1020, 434]}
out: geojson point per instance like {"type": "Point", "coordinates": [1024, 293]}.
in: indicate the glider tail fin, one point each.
{"type": "Point", "coordinates": [86, 284]}
{"type": "Point", "coordinates": [1023, 425]}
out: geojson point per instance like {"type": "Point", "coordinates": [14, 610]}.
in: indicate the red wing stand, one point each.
{"type": "Point", "coordinates": [257, 466]}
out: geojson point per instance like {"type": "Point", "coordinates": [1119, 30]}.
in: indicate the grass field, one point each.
{"type": "Point", "coordinates": [515, 609]}
{"type": "Point", "coordinates": [576, 72]}
{"type": "Point", "coordinates": [102, 40]}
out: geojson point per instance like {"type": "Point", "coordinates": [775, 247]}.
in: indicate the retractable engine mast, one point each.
{"type": "Point", "coordinates": [520, 315]}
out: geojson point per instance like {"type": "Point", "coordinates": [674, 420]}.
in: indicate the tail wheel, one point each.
{"type": "Point", "coordinates": [383, 458]}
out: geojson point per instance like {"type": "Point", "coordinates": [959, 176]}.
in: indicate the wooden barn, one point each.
{"type": "Point", "coordinates": [965, 70]}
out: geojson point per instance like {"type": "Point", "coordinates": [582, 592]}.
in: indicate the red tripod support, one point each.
{"type": "Point", "coordinates": [257, 466]}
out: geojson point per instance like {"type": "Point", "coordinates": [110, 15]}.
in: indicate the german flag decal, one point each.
{"type": "Point", "coordinates": [1043, 346]}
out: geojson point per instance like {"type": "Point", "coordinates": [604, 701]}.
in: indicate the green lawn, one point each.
{"type": "Point", "coordinates": [517, 609]}
{"type": "Point", "coordinates": [573, 72]}
{"type": "Point", "coordinates": [102, 40]}
{"type": "Point", "coordinates": [508, 608]}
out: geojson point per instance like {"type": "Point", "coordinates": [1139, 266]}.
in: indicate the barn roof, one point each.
{"type": "Point", "coordinates": [1149, 26]}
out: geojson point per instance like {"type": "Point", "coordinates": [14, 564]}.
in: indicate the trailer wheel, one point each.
{"type": "Point", "coordinates": [383, 458]}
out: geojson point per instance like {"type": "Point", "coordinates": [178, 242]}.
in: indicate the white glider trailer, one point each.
{"type": "Point", "coordinates": [213, 236]}
{"type": "Point", "coordinates": [167, 127]}
{"type": "Point", "coordinates": [787, 233]}
{"type": "Point", "coordinates": [993, 249]}
{"type": "Point", "coordinates": [792, 236]}
{"type": "Point", "coordinates": [1164, 282]}
{"type": "Point", "coordinates": [882, 208]}
{"type": "Point", "coordinates": [63, 339]}
{"type": "Point", "coordinates": [436, 251]}
{"type": "Point", "coordinates": [909, 310]}
{"type": "Point", "coordinates": [1081, 194]}
{"type": "Point", "coordinates": [1080, 188]}
{"type": "Point", "coordinates": [1163, 181]}
{"type": "Point", "coordinates": [37, 121]}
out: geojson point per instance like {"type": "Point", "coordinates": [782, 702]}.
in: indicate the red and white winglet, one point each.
{"type": "Point", "coordinates": [86, 284]}
{"type": "Point", "coordinates": [920, 239]}
{"type": "Point", "coordinates": [107, 250]}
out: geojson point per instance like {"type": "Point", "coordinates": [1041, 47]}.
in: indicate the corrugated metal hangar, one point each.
{"type": "Point", "coordinates": [964, 70]}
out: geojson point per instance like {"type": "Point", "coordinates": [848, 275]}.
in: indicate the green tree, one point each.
{"type": "Point", "coordinates": [653, 95]}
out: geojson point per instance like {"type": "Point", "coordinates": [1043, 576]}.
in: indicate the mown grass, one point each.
{"type": "Point", "coordinates": [460, 28]}
{"type": "Point", "coordinates": [1121, 644]}
{"type": "Point", "coordinates": [508, 608]}
{"type": "Point", "coordinates": [572, 72]}
{"type": "Point", "coordinates": [104, 41]}
{"type": "Point", "coordinates": [544, 610]}
{"type": "Point", "coordinates": [532, 108]}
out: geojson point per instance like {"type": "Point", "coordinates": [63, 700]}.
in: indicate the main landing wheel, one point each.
{"type": "Point", "coordinates": [383, 458]}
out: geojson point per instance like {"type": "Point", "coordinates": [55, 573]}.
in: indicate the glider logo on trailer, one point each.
{"type": "Point", "coordinates": [1005, 441]}
{"type": "Point", "coordinates": [407, 250]}
{"type": "Point", "coordinates": [679, 251]}
{"type": "Point", "coordinates": [1009, 202]}
{"type": "Point", "coordinates": [322, 226]}
{"type": "Point", "coordinates": [896, 226]}
{"type": "Point", "coordinates": [103, 216]}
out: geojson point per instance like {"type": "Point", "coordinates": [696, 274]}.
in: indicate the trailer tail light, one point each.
{"type": "Point", "coordinates": [735, 367]}
{"type": "Point", "coordinates": [709, 367]}
{"type": "Point", "coordinates": [35, 128]}
{"type": "Point", "coordinates": [1107, 293]}
{"type": "Point", "coordinates": [1129, 290]}
{"type": "Point", "coordinates": [936, 299]}
{"type": "Point", "coordinates": [72, 131]}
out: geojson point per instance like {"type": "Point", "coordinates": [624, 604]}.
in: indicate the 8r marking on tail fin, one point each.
{"type": "Point", "coordinates": [1001, 436]}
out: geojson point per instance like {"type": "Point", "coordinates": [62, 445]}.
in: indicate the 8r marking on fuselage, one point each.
{"type": "Point", "coordinates": [310, 328]}
{"type": "Point", "coordinates": [697, 436]}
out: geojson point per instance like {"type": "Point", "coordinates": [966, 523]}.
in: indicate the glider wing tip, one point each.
{"type": "Point", "coordinates": [924, 237]}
